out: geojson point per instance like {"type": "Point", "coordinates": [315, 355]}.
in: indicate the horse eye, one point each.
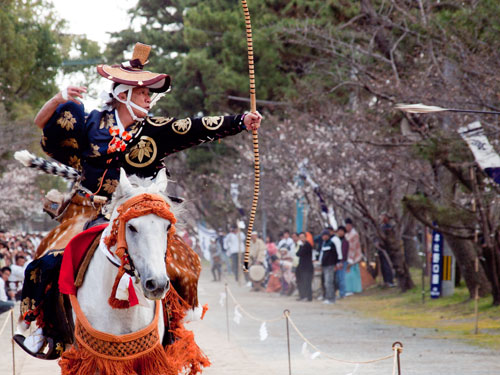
{"type": "Point", "coordinates": [168, 227]}
{"type": "Point", "coordinates": [132, 228]}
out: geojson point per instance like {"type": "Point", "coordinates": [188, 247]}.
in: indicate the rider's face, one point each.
{"type": "Point", "coordinates": [140, 96]}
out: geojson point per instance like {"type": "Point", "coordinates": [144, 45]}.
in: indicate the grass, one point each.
{"type": "Point", "coordinates": [450, 317]}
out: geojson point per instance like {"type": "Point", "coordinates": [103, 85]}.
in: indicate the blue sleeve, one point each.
{"type": "Point", "coordinates": [64, 136]}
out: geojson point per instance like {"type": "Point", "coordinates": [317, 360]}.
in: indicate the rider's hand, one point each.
{"type": "Point", "coordinates": [252, 120]}
{"type": "Point", "coordinates": [71, 93]}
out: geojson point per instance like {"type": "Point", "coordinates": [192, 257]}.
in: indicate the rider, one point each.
{"type": "Point", "coordinates": [98, 144]}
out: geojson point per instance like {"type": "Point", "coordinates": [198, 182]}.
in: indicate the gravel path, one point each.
{"type": "Point", "coordinates": [338, 332]}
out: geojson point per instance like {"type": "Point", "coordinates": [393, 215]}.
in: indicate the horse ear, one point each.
{"type": "Point", "coordinates": [161, 180]}
{"type": "Point", "coordinates": [125, 184]}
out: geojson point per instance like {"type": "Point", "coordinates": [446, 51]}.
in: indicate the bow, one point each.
{"type": "Point", "coordinates": [255, 136]}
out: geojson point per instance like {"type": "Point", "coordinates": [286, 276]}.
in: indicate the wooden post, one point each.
{"type": "Point", "coordinates": [286, 312]}
{"type": "Point", "coordinates": [13, 345]}
{"type": "Point", "coordinates": [476, 299]}
{"type": "Point", "coordinates": [227, 311]}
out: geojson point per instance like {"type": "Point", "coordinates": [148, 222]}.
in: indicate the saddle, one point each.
{"type": "Point", "coordinates": [61, 333]}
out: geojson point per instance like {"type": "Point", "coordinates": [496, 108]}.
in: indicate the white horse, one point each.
{"type": "Point", "coordinates": [127, 340]}
{"type": "Point", "coordinates": [146, 238]}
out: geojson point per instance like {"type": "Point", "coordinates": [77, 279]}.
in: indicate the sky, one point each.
{"type": "Point", "coordinates": [96, 19]}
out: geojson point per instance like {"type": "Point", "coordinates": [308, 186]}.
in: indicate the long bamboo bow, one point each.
{"type": "Point", "coordinates": [255, 135]}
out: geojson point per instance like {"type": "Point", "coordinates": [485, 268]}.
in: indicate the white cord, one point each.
{"type": "Point", "coordinates": [64, 94]}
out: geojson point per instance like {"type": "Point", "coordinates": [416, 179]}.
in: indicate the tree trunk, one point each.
{"type": "Point", "coordinates": [394, 248]}
{"type": "Point", "coordinates": [410, 243]}
{"type": "Point", "coordinates": [491, 265]}
{"type": "Point", "coordinates": [465, 254]}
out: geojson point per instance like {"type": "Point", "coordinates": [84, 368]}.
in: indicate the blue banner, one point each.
{"type": "Point", "coordinates": [436, 264]}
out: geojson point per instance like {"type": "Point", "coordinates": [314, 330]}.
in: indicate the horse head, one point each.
{"type": "Point", "coordinates": [144, 212]}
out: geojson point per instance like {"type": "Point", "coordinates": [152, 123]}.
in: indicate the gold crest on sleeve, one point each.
{"type": "Point", "coordinates": [212, 122]}
{"type": "Point", "coordinates": [182, 126]}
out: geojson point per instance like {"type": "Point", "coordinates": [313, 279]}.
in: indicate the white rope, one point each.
{"type": "Point", "coordinates": [329, 356]}
{"type": "Point", "coordinates": [286, 315]}
{"type": "Point", "coordinates": [240, 307]}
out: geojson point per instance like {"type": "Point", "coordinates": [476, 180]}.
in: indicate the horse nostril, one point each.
{"type": "Point", "coordinates": [150, 285]}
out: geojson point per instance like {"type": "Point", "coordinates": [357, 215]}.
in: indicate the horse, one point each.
{"type": "Point", "coordinates": [112, 336]}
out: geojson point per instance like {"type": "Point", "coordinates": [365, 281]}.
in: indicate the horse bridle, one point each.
{"type": "Point", "coordinates": [140, 205]}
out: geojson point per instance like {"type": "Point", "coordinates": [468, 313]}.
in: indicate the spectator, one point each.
{"type": "Point", "coordinates": [329, 257]}
{"type": "Point", "coordinates": [305, 269]}
{"type": "Point", "coordinates": [286, 241]}
{"type": "Point", "coordinates": [271, 247]}
{"type": "Point", "coordinates": [223, 250]}
{"type": "Point", "coordinates": [16, 277]}
{"type": "Point", "coordinates": [215, 259]}
{"type": "Point", "coordinates": [295, 248]}
{"type": "Point", "coordinates": [287, 275]}
{"type": "Point", "coordinates": [353, 274]}
{"type": "Point", "coordinates": [274, 282]}
{"type": "Point", "coordinates": [4, 255]}
{"type": "Point", "coordinates": [5, 304]}
{"type": "Point", "coordinates": [234, 245]}
{"type": "Point", "coordinates": [340, 269]}
{"type": "Point", "coordinates": [258, 251]}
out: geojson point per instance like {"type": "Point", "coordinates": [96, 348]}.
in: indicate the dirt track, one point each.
{"type": "Point", "coordinates": [338, 332]}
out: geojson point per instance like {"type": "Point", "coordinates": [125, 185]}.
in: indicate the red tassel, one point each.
{"type": "Point", "coordinates": [113, 301]}
{"type": "Point", "coordinates": [205, 309]}
{"type": "Point", "coordinates": [132, 296]}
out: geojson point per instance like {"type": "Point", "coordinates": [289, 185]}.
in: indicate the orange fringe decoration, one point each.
{"type": "Point", "coordinates": [183, 354]}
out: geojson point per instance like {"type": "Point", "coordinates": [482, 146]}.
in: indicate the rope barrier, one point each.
{"type": "Point", "coordinates": [397, 347]}
{"type": "Point", "coordinates": [292, 323]}
{"type": "Point", "coordinates": [249, 314]}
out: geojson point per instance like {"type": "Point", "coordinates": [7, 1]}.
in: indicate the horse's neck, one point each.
{"type": "Point", "coordinates": [93, 298]}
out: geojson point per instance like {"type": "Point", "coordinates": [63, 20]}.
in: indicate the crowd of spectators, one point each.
{"type": "Point", "coordinates": [16, 251]}
{"type": "Point", "coordinates": [325, 266]}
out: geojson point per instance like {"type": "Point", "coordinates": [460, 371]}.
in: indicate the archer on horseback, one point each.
{"type": "Point", "coordinates": [98, 144]}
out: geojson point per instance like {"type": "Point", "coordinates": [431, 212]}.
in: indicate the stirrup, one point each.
{"type": "Point", "coordinates": [47, 351]}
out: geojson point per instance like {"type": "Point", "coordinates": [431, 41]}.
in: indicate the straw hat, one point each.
{"type": "Point", "coordinates": [131, 72]}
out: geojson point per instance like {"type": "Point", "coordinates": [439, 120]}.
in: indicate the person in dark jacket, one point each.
{"type": "Point", "coordinates": [305, 269]}
{"type": "Point", "coordinates": [329, 257]}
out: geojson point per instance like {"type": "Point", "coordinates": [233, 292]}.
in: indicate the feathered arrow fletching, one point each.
{"type": "Point", "coordinates": [419, 108]}
{"type": "Point", "coordinates": [422, 108]}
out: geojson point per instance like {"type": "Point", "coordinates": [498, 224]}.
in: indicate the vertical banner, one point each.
{"type": "Point", "coordinates": [436, 264]}
{"type": "Point", "coordinates": [483, 151]}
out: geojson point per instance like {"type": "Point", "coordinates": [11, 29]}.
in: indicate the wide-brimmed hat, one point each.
{"type": "Point", "coordinates": [131, 72]}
